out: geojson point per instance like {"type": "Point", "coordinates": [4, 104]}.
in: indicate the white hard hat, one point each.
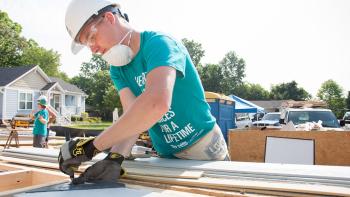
{"type": "Point", "coordinates": [78, 13]}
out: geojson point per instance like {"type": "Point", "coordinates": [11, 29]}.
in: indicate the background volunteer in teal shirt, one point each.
{"type": "Point", "coordinates": [41, 118]}
{"type": "Point", "coordinates": [159, 88]}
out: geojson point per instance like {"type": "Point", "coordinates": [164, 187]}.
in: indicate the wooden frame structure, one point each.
{"type": "Point", "coordinates": [15, 179]}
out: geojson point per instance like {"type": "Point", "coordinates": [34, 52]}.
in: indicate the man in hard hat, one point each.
{"type": "Point", "coordinates": [159, 88]}
{"type": "Point", "coordinates": [51, 118]}
{"type": "Point", "coordinates": [41, 118]}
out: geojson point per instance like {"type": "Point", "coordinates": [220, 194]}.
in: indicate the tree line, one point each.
{"type": "Point", "coordinates": [16, 50]}
{"type": "Point", "coordinates": [226, 76]}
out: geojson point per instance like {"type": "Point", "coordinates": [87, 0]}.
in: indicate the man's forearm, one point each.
{"type": "Point", "coordinates": [124, 148]}
{"type": "Point", "coordinates": [43, 121]}
{"type": "Point", "coordinates": [140, 116]}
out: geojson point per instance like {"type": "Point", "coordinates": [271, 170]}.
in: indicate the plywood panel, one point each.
{"type": "Point", "coordinates": [15, 179]}
{"type": "Point", "coordinates": [19, 178]}
{"type": "Point", "coordinates": [331, 147]}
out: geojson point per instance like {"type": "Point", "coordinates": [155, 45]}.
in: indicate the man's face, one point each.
{"type": "Point", "coordinates": [39, 106]}
{"type": "Point", "coordinates": [97, 35]}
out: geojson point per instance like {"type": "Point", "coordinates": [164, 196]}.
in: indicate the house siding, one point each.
{"type": "Point", "coordinates": [36, 96]}
{"type": "Point", "coordinates": [56, 89]}
{"type": "Point", "coordinates": [82, 104]}
{"type": "Point", "coordinates": [1, 100]}
{"type": "Point", "coordinates": [32, 80]}
{"type": "Point", "coordinates": [11, 103]}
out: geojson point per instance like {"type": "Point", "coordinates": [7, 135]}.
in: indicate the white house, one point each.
{"type": "Point", "coordinates": [21, 86]}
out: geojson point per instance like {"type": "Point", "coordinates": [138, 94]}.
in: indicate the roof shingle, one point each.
{"type": "Point", "coordinates": [67, 86]}
{"type": "Point", "coordinates": [7, 75]}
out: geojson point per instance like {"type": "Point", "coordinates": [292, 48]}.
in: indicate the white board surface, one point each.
{"type": "Point", "coordinates": [289, 151]}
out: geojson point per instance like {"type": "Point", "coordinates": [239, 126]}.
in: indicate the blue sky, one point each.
{"type": "Point", "coordinates": [303, 40]}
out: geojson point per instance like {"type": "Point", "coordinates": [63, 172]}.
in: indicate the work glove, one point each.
{"type": "Point", "coordinates": [107, 170]}
{"type": "Point", "coordinates": [74, 152]}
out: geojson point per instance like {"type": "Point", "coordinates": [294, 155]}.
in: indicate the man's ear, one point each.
{"type": "Point", "coordinates": [110, 17]}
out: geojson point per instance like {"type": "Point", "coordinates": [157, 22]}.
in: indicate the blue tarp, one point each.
{"type": "Point", "coordinates": [244, 106]}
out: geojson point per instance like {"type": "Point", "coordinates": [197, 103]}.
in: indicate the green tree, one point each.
{"type": "Point", "coordinates": [84, 83]}
{"type": "Point", "coordinates": [94, 79]}
{"type": "Point", "coordinates": [15, 50]}
{"type": "Point", "coordinates": [11, 43]}
{"type": "Point", "coordinates": [211, 76]}
{"type": "Point", "coordinates": [111, 100]}
{"type": "Point", "coordinates": [195, 50]}
{"type": "Point", "coordinates": [332, 93]}
{"type": "Point", "coordinates": [48, 60]}
{"type": "Point", "coordinates": [96, 63]}
{"type": "Point", "coordinates": [285, 91]}
{"type": "Point", "coordinates": [233, 71]}
{"type": "Point", "coordinates": [251, 91]}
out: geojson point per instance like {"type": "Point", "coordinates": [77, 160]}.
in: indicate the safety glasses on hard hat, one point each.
{"type": "Point", "coordinates": [91, 34]}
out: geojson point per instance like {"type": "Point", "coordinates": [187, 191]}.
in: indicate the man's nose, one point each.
{"type": "Point", "coordinates": [94, 49]}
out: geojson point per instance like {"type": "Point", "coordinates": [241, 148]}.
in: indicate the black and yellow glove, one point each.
{"type": "Point", "coordinates": [74, 152]}
{"type": "Point", "coordinates": [107, 170]}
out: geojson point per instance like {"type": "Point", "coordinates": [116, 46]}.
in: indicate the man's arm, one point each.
{"type": "Point", "coordinates": [42, 120]}
{"type": "Point", "coordinates": [144, 112]}
{"type": "Point", "coordinates": [127, 98]}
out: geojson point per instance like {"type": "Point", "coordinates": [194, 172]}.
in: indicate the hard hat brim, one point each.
{"type": "Point", "coordinates": [76, 47]}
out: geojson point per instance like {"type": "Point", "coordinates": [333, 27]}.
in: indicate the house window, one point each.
{"type": "Point", "coordinates": [70, 100]}
{"type": "Point", "coordinates": [25, 101]}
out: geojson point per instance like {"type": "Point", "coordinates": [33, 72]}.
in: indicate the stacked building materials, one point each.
{"type": "Point", "coordinates": [244, 177]}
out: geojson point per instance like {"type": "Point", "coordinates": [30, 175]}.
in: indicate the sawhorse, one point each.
{"type": "Point", "coordinates": [13, 134]}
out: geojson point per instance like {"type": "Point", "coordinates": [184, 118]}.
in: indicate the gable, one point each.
{"type": "Point", "coordinates": [56, 89]}
{"type": "Point", "coordinates": [8, 75]}
{"type": "Point", "coordinates": [33, 80]}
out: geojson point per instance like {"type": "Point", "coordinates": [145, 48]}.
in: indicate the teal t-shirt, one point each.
{"type": "Point", "coordinates": [40, 128]}
{"type": "Point", "coordinates": [189, 117]}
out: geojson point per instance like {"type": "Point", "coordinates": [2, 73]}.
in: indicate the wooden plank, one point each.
{"type": "Point", "coordinates": [162, 172]}
{"type": "Point", "coordinates": [224, 167]}
{"type": "Point", "coordinates": [237, 185]}
{"type": "Point", "coordinates": [37, 163]}
{"type": "Point", "coordinates": [30, 157]}
{"type": "Point", "coordinates": [213, 192]}
{"type": "Point", "coordinates": [193, 190]}
{"type": "Point", "coordinates": [328, 175]}
{"type": "Point", "coordinates": [135, 171]}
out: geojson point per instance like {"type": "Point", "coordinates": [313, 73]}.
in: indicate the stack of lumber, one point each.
{"type": "Point", "coordinates": [243, 177]}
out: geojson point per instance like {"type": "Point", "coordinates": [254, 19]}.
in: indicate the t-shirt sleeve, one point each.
{"type": "Point", "coordinates": [36, 114]}
{"type": "Point", "coordinates": [46, 115]}
{"type": "Point", "coordinates": [117, 78]}
{"type": "Point", "coordinates": [162, 50]}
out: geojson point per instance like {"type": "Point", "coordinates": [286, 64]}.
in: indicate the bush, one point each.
{"type": "Point", "coordinates": [94, 119]}
{"type": "Point", "coordinates": [84, 116]}
{"type": "Point", "coordinates": [75, 118]}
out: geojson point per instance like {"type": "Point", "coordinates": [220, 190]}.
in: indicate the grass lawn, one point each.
{"type": "Point", "coordinates": [96, 126]}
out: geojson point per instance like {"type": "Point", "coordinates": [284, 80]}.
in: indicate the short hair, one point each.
{"type": "Point", "coordinates": [43, 106]}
